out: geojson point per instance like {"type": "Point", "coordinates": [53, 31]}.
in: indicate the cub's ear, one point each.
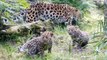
{"type": "Point", "coordinates": [76, 26]}
{"type": "Point", "coordinates": [76, 10]}
{"type": "Point", "coordinates": [51, 34]}
{"type": "Point", "coordinates": [42, 30]}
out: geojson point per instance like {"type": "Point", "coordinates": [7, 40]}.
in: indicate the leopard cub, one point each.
{"type": "Point", "coordinates": [80, 38]}
{"type": "Point", "coordinates": [38, 45]}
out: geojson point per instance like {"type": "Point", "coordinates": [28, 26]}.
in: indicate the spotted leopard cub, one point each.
{"type": "Point", "coordinates": [58, 13]}
{"type": "Point", "coordinates": [38, 45]}
{"type": "Point", "coordinates": [80, 38]}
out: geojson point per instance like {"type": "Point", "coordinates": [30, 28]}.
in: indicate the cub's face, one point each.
{"type": "Point", "coordinates": [72, 30]}
{"type": "Point", "coordinates": [47, 35]}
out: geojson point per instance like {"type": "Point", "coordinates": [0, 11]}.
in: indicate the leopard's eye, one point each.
{"type": "Point", "coordinates": [5, 20]}
{"type": "Point", "coordinates": [22, 13]}
{"type": "Point", "coordinates": [14, 19]}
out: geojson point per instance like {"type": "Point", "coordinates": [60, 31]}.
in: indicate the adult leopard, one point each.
{"type": "Point", "coordinates": [58, 13]}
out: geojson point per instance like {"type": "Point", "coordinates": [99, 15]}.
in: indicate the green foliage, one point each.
{"type": "Point", "coordinates": [23, 3]}
{"type": "Point", "coordinates": [82, 5]}
{"type": "Point", "coordinates": [11, 8]}
{"type": "Point", "coordinates": [102, 43]}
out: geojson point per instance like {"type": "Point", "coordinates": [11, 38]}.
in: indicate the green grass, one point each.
{"type": "Point", "coordinates": [60, 50]}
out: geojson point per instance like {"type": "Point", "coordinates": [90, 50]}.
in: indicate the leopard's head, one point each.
{"type": "Point", "coordinates": [20, 17]}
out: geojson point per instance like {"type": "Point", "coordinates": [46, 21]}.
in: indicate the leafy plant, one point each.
{"type": "Point", "coordinates": [10, 9]}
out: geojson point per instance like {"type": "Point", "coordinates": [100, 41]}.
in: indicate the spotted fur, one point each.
{"type": "Point", "coordinates": [38, 45]}
{"type": "Point", "coordinates": [58, 13]}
